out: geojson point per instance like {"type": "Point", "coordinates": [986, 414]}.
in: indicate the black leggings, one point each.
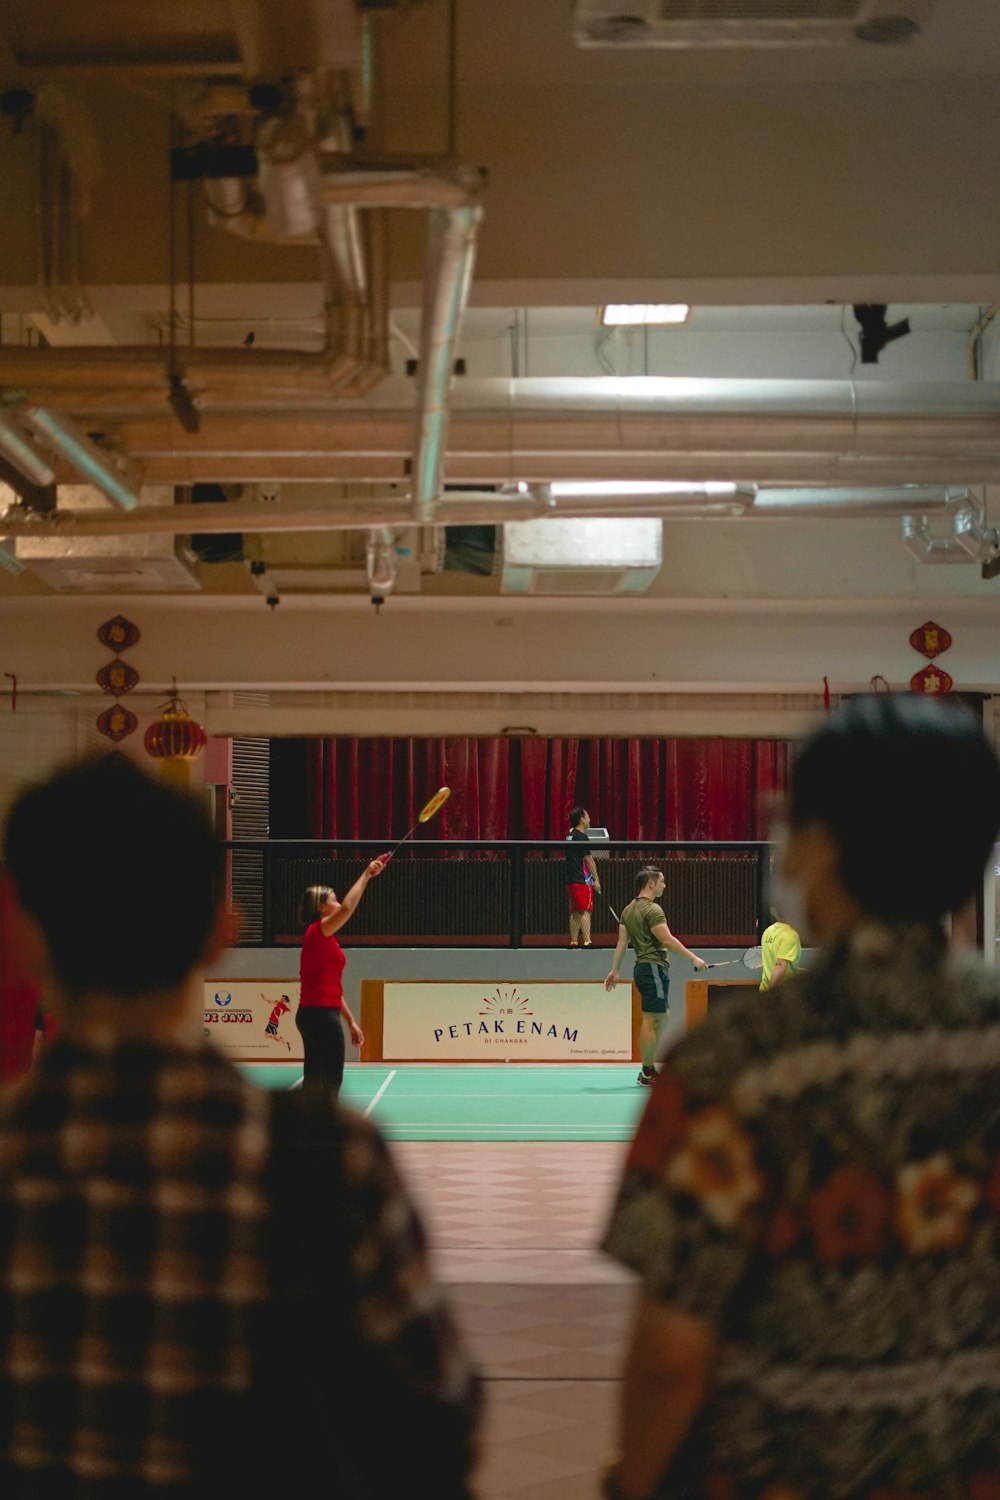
{"type": "Point", "coordinates": [322, 1033]}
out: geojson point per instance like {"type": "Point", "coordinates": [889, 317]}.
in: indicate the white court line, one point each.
{"type": "Point", "coordinates": [396, 1125]}
{"type": "Point", "coordinates": [404, 1093]}
{"type": "Point", "coordinates": [385, 1084]}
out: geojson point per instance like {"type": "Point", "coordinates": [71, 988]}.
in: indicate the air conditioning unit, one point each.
{"type": "Point", "coordinates": [747, 23]}
{"type": "Point", "coordinates": [564, 556]}
{"type": "Point", "coordinates": [134, 563]}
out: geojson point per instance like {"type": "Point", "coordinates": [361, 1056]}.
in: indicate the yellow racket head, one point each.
{"type": "Point", "coordinates": [435, 804]}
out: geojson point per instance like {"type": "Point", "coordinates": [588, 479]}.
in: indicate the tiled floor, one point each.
{"type": "Point", "coordinates": [515, 1227]}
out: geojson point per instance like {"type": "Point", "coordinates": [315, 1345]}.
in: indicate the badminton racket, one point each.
{"type": "Point", "coordinates": [752, 959]}
{"type": "Point", "coordinates": [610, 907]}
{"type": "Point", "coordinates": [427, 812]}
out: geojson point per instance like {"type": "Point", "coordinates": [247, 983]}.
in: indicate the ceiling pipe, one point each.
{"type": "Point", "coordinates": [918, 543]}
{"type": "Point", "coordinates": [980, 541]}
{"type": "Point", "coordinates": [380, 560]}
{"type": "Point", "coordinates": [971, 541]}
{"type": "Point", "coordinates": [837, 503]}
{"type": "Point", "coordinates": [296, 195]}
{"type": "Point", "coordinates": [451, 245]}
{"type": "Point", "coordinates": [61, 434]}
{"type": "Point", "coordinates": [25, 457]}
{"type": "Point", "coordinates": [305, 511]}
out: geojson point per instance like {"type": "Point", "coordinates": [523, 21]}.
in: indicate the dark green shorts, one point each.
{"type": "Point", "coordinates": [653, 983]}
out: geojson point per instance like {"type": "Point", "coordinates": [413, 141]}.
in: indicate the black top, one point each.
{"type": "Point", "coordinates": [576, 873]}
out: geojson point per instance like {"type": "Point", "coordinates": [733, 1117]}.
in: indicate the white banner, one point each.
{"type": "Point", "coordinates": [531, 1022]}
{"type": "Point", "coordinates": [253, 1020]}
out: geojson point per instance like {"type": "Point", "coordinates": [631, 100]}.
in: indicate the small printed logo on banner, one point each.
{"type": "Point", "coordinates": [220, 1001]}
{"type": "Point", "coordinates": [505, 1003]}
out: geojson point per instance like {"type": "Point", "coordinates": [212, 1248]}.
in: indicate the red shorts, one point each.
{"type": "Point", "coordinates": [581, 897]}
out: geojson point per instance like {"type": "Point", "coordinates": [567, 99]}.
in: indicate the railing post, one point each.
{"type": "Point", "coordinates": [516, 896]}
{"type": "Point", "coordinates": [761, 891]}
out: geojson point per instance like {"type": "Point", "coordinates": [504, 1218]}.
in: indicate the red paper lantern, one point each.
{"type": "Point", "coordinates": [175, 739]}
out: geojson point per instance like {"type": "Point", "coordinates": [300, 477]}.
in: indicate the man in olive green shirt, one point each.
{"type": "Point", "coordinates": [643, 927]}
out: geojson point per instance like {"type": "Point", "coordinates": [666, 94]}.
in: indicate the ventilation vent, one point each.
{"type": "Point", "coordinates": [595, 556]}
{"type": "Point", "coordinates": [251, 816]}
{"type": "Point", "coordinates": [593, 581]}
{"type": "Point", "coordinates": [747, 23]}
{"type": "Point", "coordinates": [251, 788]}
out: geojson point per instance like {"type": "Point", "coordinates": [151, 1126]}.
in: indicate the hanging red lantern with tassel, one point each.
{"type": "Point", "coordinates": [175, 740]}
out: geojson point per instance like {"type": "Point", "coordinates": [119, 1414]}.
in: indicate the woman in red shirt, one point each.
{"type": "Point", "coordinates": [321, 967]}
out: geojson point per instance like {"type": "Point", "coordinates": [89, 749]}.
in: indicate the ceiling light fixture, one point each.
{"type": "Point", "coordinates": [639, 487]}
{"type": "Point", "coordinates": [633, 314]}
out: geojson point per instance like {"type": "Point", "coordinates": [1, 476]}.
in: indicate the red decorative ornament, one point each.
{"type": "Point", "coordinates": [930, 640]}
{"type": "Point", "coordinates": [175, 740]}
{"type": "Point", "coordinates": [117, 678]}
{"type": "Point", "coordinates": [118, 634]}
{"type": "Point", "coordinates": [931, 680]}
{"type": "Point", "coordinates": [117, 723]}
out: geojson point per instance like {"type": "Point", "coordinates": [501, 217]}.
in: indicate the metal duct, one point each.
{"type": "Point", "coordinates": [25, 457]}
{"type": "Point", "coordinates": [502, 431]}
{"type": "Point", "coordinates": [295, 194]}
{"type": "Point", "coordinates": [312, 508]}
{"type": "Point", "coordinates": [451, 249]}
{"type": "Point", "coordinates": [971, 541]}
{"type": "Point", "coordinates": [288, 175]}
{"type": "Point", "coordinates": [835, 503]}
{"type": "Point", "coordinates": [380, 557]}
{"type": "Point", "coordinates": [61, 434]}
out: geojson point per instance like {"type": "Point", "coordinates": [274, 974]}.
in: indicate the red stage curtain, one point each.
{"type": "Point", "coordinates": [688, 789]}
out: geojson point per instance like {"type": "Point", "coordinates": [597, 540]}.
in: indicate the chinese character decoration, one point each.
{"type": "Point", "coordinates": [117, 723]}
{"type": "Point", "coordinates": [930, 640]}
{"type": "Point", "coordinates": [175, 740]}
{"type": "Point", "coordinates": [117, 678]}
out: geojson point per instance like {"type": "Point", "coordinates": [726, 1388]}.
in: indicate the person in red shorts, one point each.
{"type": "Point", "coordinates": [581, 878]}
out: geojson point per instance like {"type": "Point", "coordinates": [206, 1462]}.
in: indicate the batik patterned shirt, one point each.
{"type": "Point", "coordinates": [817, 1176]}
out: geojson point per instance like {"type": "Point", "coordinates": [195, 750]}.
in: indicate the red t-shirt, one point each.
{"type": "Point", "coordinates": [320, 968]}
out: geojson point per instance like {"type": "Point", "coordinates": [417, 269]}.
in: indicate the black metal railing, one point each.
{"type": "Point", "coordinates": [494, 893]}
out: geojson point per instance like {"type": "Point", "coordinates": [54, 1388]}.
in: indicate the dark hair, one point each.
{"type": "Point", "coordinates": [313, 898]}
{"type": "Point", "coordinates": [645, 875]}
{"type": "Point", "coordinates": [123, 874]}
{"type": "Point", "coordinates": [575, 814]}
{"type": "Point", "coordinates": [910, 790]}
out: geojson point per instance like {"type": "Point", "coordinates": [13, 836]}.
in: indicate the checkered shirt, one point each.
{"type": "Point", "coordinates": [139, 1302]}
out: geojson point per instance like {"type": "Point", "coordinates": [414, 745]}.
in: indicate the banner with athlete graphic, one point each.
{"type": "Point", "coordinates": [253, 1020]}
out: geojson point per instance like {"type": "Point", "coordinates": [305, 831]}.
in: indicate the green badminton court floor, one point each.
{"type": "Point", "coordinates": [582, 1102]}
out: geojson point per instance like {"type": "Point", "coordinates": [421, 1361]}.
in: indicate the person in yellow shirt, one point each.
{"type": "Point", "coordinates": [780, 950]}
